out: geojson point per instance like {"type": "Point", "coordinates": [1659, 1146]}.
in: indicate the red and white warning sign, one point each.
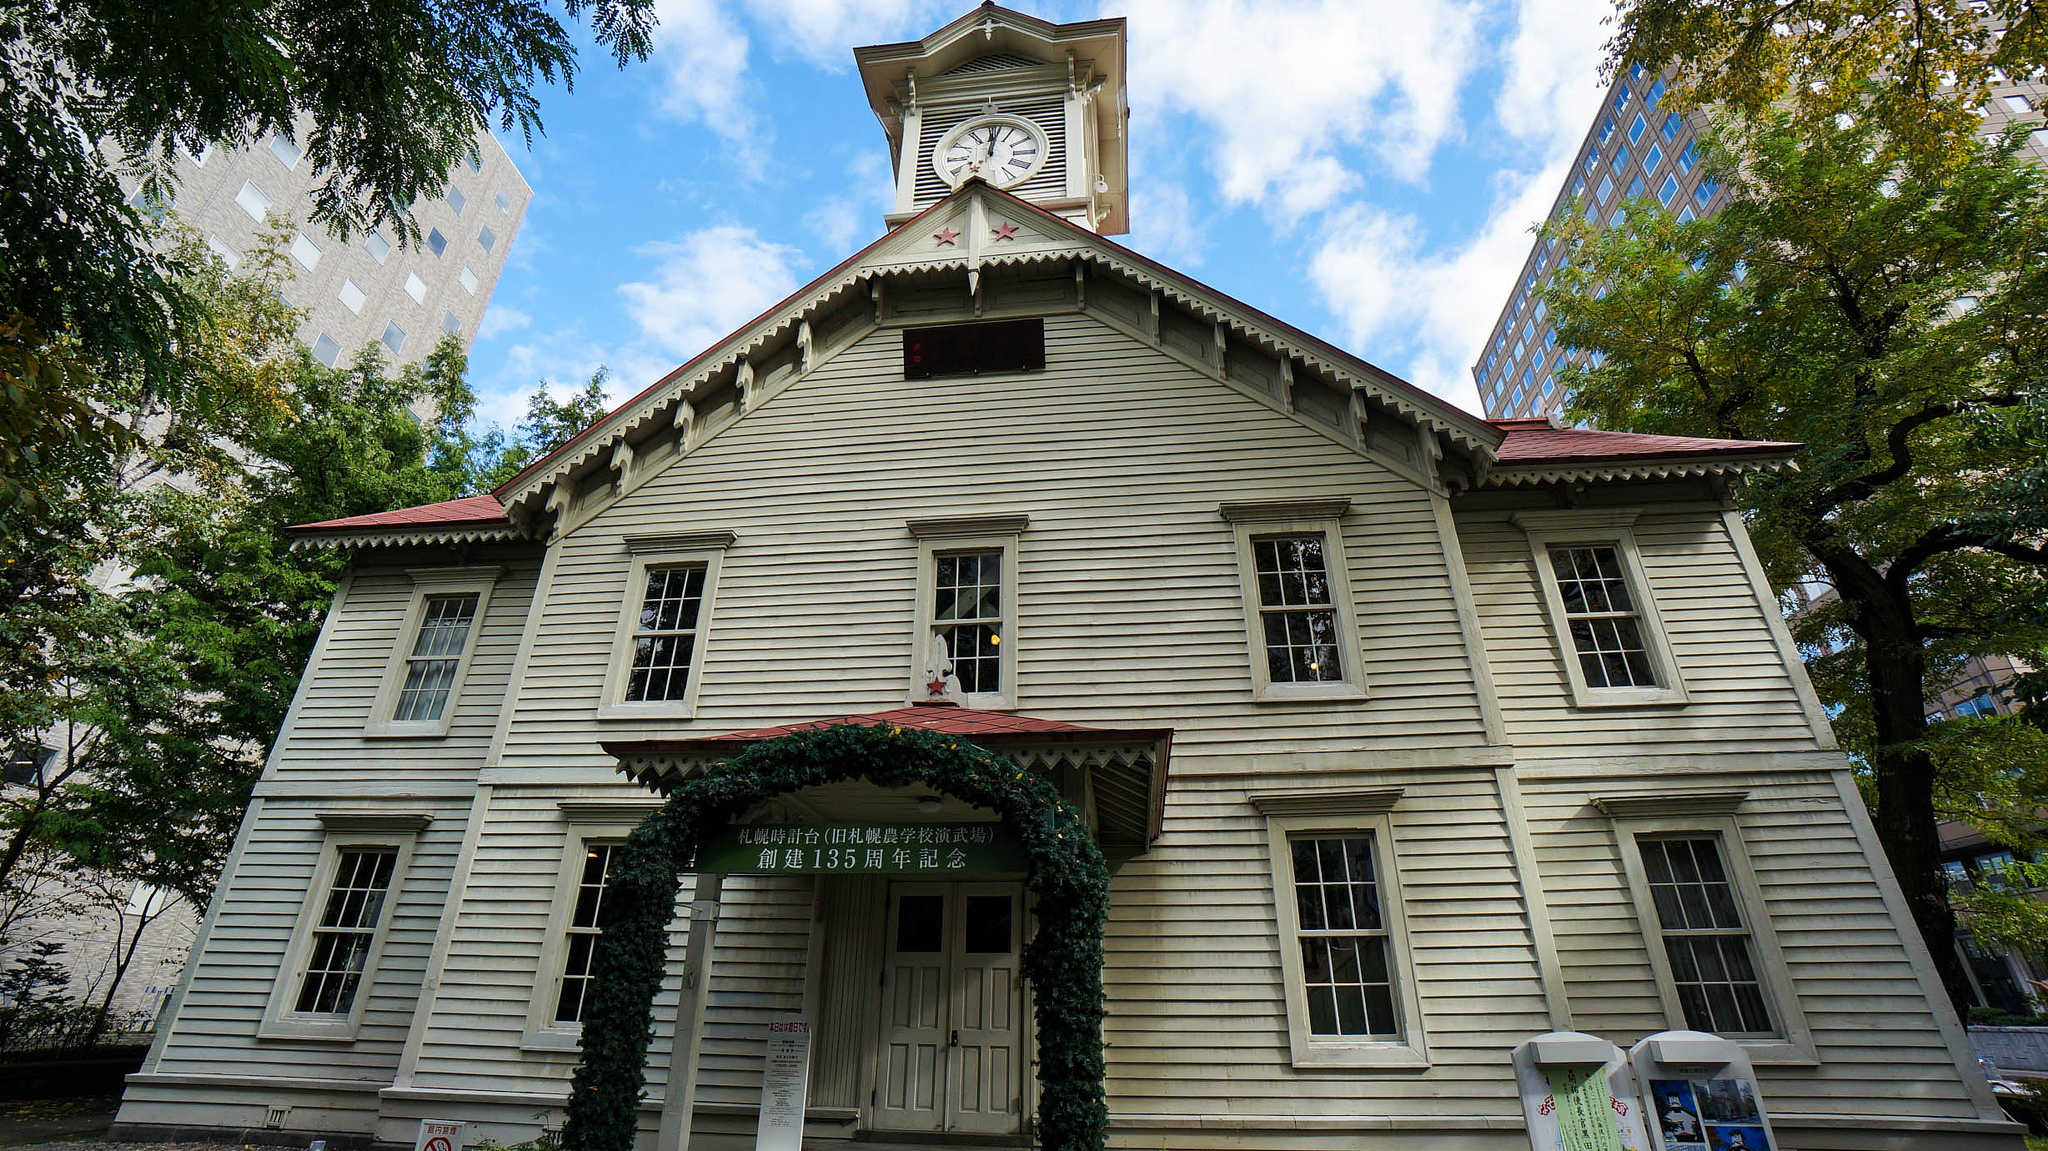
{"type": "Point", "coordinates": [439, 1135]}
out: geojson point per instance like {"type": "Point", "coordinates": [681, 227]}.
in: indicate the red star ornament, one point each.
{"type": "Point", "coordinates": [946, 236]}
{"type": "Point", "coordinates": [1005, 231]}
{"type": "Point", "coordinates": [936, 687]}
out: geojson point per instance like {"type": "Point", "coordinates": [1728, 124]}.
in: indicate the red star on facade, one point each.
{"type": "Point", "coordinates": [1005, 231]}
{"type": "Point", "coordinates": [936, 687]}
{"type": "Point", "coordinates": [946, 236]}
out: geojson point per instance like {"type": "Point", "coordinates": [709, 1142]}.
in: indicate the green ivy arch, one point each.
{"type": "Point", "coordinates": [1063, 961]}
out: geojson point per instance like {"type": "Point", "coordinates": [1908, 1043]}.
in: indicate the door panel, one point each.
{"type": "Point", "coordinates": [951, 1044]}
{"type": "Point", "coordinates": [912, 1066]}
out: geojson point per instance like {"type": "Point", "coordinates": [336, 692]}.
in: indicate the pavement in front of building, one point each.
{"type": "Point", "coordinates": [56, 1122]}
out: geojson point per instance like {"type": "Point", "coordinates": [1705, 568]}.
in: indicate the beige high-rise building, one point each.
{"type": "Point", "coordinates": [369, 287]}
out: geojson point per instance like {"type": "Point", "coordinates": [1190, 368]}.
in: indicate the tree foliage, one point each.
{"type": "Point", "coordinates": [383, 99]}
{"type": "Point", "coordinates": [549, 424]}
{"type": "Point", "coordinates": [1894, 324]}
{"type": "Point", "coordinates": [1917, 67]}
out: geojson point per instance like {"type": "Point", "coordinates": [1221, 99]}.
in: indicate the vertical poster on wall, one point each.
{"type": "Point", "coordinates": [785, 1076]}
{"type": "Point", "coordinates": [1576, 1101]}
{"type": "Point", "coordinates": [1709, 1115]}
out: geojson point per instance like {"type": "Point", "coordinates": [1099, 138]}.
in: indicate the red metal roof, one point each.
{"type": "Point", "coordinates": [945, 719]}
{"type": "Point", "coordinates": [1538, 441]}
{"type": "Point", "coordinates": [467, 510]}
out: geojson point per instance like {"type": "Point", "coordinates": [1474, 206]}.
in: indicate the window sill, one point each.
{"type": "Point", "coordinates": [1311, 1056]}
{"type": "Point", "coordinates": [405, 730]}
{"type": "Point", "coordinates": [1779, 1052]}
{"type": "Point", "coordinates": [1342, 690]}
{"type": "Point", "coordinates": [669, 710]}
{"type": "Point", "coordinates": [552, 1041]}
{"type": "Point", "coordinates": [978, 701]}
{"type": "Point", "coordinates": [309, 1030]}
{"type": "Point", "coordinates": [1597, 700]}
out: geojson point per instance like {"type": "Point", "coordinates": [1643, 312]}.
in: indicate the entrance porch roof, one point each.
{"type": "Point", "coordinates": [1117, 775]}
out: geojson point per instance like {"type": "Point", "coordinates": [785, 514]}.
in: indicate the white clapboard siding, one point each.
{"type": "Point", "coordinates": [326, 743]}
{"type": "Point", "coordinates": [1874, 1034]}
{"type": "Point", "coordinates": [215, 1032]}
{"type": "Point", "coordinates": [1197, 1022]}
{"type": "Point", "coordinates": [493, 987]}
{"type": "Point", "coordinates": [1740, 693]}
{"type": "Point", "coordinates": [1130, 605]}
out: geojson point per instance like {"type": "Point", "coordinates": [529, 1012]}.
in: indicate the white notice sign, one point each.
{"type": "Point", "coordinates": [785, 1081]}
{"type": "Point", "coordinates": [438, 1135]}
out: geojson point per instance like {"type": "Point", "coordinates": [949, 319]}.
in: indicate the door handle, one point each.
{"type": "Point", "coordinates": [956, 1038]}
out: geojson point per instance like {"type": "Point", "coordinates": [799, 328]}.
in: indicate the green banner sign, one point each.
{"type": "Point", "coordinates": [933, 849]}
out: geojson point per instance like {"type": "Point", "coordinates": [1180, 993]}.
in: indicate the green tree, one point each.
{"type": "Point", "coordinates": [549, 424]}
{"type": "Point", "coordinates": [1896, 326]}
{"type": "Point", "coordinates": [1918, 67]}
{"type": "Point", "coordinates": [383, 98]}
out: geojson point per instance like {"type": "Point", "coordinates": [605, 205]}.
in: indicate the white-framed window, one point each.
{"type": "Point", "coordinates": [596, 831]}
{"type": "Point", "coordinates": [331, 962]}
{"type": "Point", "coordinates": [394, 337]}
{"type": "Point", "coordinates": [436, 242]}
{"type": "Point", "coordinates": [470, 281]}
{"type": "Point", "coordinates": [664, 618]}
{"type": "Point", "coordinates": [253, 201]}
{"type": "Point", "coordinates": [450, 323]}
{"type": "Point", "coordinates": [1349, 985]}
{"type": "Point", "coordinates": [1604, 621]}
{"type": "Point", "coordinates": [227, 255]}
{"type": "Point", "coordinates": [305, 251]}
{"type": "Point", "coordinates": [456, 199]}
{"type": "Point", "coordinates": [1297, 598]}
{"type": "Point", "coordinates": [486, 239]}
{"type": "Point", "coordinates": [378, 247]}
{"type": "Point", "coordinates": [415, 287]}
{"type": "Point", "coordinates": [1705, 924]}
{"type": "Point", "coordinates": [965, 642]}
{"type": "Point", "coordinates": [351, 296]}
{"type": "Point", "coordinates": [423, 677]}
{"type": "Point", "coordinates": [286, 150]}
{"type": "Point", "coordinates": [326, 350]}
{"type": "Point", "coordinates": [502, 199]}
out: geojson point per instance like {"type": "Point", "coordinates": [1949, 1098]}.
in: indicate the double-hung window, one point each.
{"type": "Point", "coordinates": [326, 973]}
{"type": "Point", "coordinates": [1609, 636]}
{"type": "Point", "coordinates": [657, 663]}
{"type": "Point", "coordinates": [1297, 597]}
{"type": "Point", "coordinates": [1349, 986]}
{"type": "Point", "coordinates": [965, 644]}
{"type": "Point", "coordinates": [580, 934]}
{"type": "Point", "coordinates": [1706, 930]}
{"type": "Point", "coordinates": [423, 680]}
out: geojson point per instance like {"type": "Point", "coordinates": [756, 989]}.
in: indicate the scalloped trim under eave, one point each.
{"type": "Point", "coordinates": [397, 537]}
{"type": "Point", "coordinates": [1665, 469]}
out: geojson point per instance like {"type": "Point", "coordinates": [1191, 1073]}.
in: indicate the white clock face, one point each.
{"type": "Point", "coordinates": [1003, 152]}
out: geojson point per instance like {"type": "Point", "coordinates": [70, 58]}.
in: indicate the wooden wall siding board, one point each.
{"type": "Point", "coordinates": [1109, 420]}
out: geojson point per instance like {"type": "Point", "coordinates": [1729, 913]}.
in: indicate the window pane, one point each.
{"type": "Point", "coordinates": [665, 639]}
{"type": "Point", "coordinates": [340, 948]}
{"type": "Point", "coordinates": [920, 924]}
{"type": "Point", "coordinates": [989, 927]}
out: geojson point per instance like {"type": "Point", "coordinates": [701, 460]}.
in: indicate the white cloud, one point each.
{"type": "Point", "coordinates": [562, 359]}
{"type": "Point", "coordinates": [1397, 299]}
{"type": "Point", "coordinates": [702, 54]}
{"type": "Point", "coordinates": [846, 222]}
{"type": "Point", "coordinates": [1287, 91]}
{"type": "Point", "coordinates": [825, 32]}
{"type": "Point", "coordinates": [501, 319]}
{"type": "Point", "coordinates": [1166, 224]}
{"type": "Point", "coordinates": [707, 283]}
{"type": "Point", "coordinates": [1552, 80]}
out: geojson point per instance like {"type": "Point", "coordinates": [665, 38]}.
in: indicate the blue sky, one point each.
{"type": "Point", "coordinates": [1367, 171]}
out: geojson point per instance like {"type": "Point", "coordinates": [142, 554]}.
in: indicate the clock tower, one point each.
{"type": "Point", "coordinates": [1033, 108]}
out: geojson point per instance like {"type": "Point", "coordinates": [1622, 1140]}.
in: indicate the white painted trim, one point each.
{"type": "Point", "coordinates": [515, 683]}
{"type": "Point", "coordinates": [613, 703]}
{"type": "Point", "coordinates": [444, 937]}
{"type": "Point", "coordinates": [1535, 900]}
{"type": "Point", "coordinates": [1781, 633]}
{"type": "Point", "coordinates": [280, 1019]}
{"type": "Point", "coordinates": [427, 583]}
{"type": "Point", "coordinates": [1917, 956]}
{"type": "Point", "coordinates": [1491, 718]}
{"type": "Point", "coordinates": [1793, 1045]}
{"type": "Point", "coordinates": [1595, 528]}
{"type": "Point", "coordinates": [1264, 690]}
{"type": "Point", "coordinates": [1410, 1053]}
{"type": "Point", "coordinates": [543, 1031]}
{"type": "Point", "coordinates": [929, 549]}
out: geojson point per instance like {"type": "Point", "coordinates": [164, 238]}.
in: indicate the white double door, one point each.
{"type": "Point", "coordinates": [952, 1055]}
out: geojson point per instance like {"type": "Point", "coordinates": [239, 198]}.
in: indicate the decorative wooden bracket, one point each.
{"type": "Point", "coordinates": [685, 424]}
{"type": "Point", "coordinates": [803, 347]}
{"type": "Point", "coordinates": [743, 382]}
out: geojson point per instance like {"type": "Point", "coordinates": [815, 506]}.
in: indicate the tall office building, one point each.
{"type": "Point", "coordinates": [369, 287]}
{"type": "Point", "coordinates": [1636, 148]}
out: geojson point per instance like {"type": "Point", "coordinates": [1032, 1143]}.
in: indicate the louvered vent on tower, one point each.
{"type": "Point", "coordinates": [994, 62]}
